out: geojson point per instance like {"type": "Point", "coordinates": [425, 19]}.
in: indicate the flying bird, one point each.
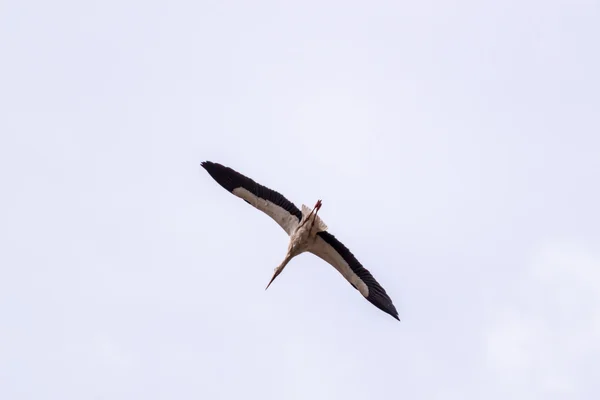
{"type": "Point", "coordinates": [308, 233]}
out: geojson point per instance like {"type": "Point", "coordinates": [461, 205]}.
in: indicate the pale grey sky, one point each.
{"type": "Point", "coordinates": [455, 146]}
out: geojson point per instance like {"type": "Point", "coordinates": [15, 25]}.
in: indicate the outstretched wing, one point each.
{"type": "Point", "coordinates": [272, 203]}
{"type": "Point", "coordinates": [335, 253]}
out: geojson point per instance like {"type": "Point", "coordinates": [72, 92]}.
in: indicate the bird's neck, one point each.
{"type": "Point", "coordinates": [288, 257]}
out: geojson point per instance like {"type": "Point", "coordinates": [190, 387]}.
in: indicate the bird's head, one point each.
{"type": "Point", "coordinates": [280, 268]}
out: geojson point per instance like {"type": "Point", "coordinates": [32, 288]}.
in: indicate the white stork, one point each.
{"type": "Point", "coordinates": [307, 233]}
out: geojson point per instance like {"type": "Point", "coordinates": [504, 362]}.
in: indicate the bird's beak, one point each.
{"type": "Point", "coordinates": [277, 272]}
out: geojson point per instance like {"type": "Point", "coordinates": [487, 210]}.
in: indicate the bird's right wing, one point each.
{"type": "Point", "coordinates": [272, 203]}
{"type": "Point", "coordinates": [331, 250]}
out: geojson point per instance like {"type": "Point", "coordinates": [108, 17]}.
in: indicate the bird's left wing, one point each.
{"type": "Point", "coordinates": [330, 249]}
{"type": "Point", "coordinates": [272, 203]}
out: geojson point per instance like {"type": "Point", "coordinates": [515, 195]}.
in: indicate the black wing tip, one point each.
{"type": "Point", "coordinates": [208, 164]}
{"type": "Point", "coordinates": [386, 307]}
{"type": "Point", "coordinates": [225, 176]}
{"type": "Point", "coordinates": [393, 312]}
{"type": "Point", "coordinates": [211, 164]}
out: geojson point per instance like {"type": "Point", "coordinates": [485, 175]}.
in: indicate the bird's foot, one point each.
{"type": "Point", "coordinates": [318, 205]}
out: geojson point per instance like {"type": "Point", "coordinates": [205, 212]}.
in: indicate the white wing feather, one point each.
{"type": "Point", "coordinates": [287, 221]}
{"type": "Point", "coordinates": [322, 249]}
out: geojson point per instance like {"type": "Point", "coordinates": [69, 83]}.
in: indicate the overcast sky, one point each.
{"type": "Point", "coordinates": [455, 145]}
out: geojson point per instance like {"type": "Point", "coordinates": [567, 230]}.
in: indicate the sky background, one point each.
{"type": "Point", "coordinates": [455, 145]}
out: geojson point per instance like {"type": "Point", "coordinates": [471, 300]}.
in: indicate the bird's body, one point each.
{"type": "Point", "coordinates": [304, 234]}
{"type": "Point", "coordinates": [303, 237]}
{"type": "Point", "coordinates": [307, 232]}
